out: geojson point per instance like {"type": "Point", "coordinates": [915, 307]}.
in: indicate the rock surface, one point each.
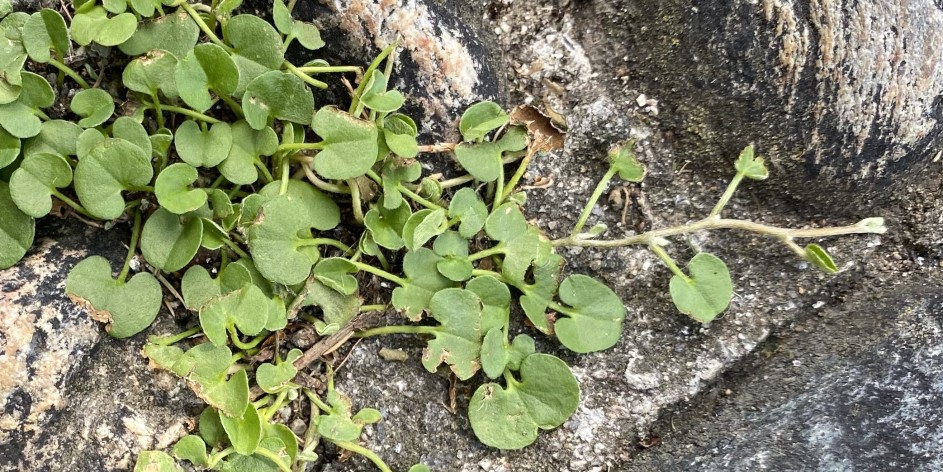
{"type": "Point", "coordinates": [101, 404]}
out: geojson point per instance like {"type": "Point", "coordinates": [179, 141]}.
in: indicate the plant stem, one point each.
{"type": "Point", "coordinates": [73, 204]}
{"type": "Point", "coordinates": [300, 146]}
{"type": "Point", "coordinates": [234, 335]}
{"type": "Point", "coordinates": [668, 261]}
{"type": "Point", "coordinates": [174, 339]}
{"type": "Point", "coordinates": [377, 461]}
{"type": "Point", "coordinates": [135, 234]}
{"type": "Point", "coordinates": [482, 273]}
{"type": "Point", "coordinates": [396, 329]}
{"type": "Point", "coordinates": [323, 242]}
{"type": "Point", "coordinates": [380, 273]}
{"type": "Point", "coordinates": [326, 186]}
{"type": "Point", "coordinates": [70, 72]}
{"type": "Point", "coordinates": [214, 459]}
{"type": "Point", "coordinates": [417, 198]}
{"type": "Point", "coordinates": [157, 110]}
{"type": "Point", "coordinates": [274, 458]}
{"type": "Point", "coordinates": [366, 308]}
{"type": "Point", "coordinates": [715, 222]}
{"type": "Point", "coordinates": [600, 187]}
{"type": "Point", "coordinates": [355, 202]}
{"type": "Point", "coordinates": [325, 69]}
{"type": "Point", "coordinates": [728, 194]}
{"type": "Point", "coordinates": [497, 250]}
{"type": "Point", "coordinates": [499, 189]}
{"type": "Point", "coordinates": [235, 107]}
{"type": "Point", "coordinates": [305, 77]}
{"type": "Point", "coordinates": [521, 168]}
{"type": "Point", "coordinates": [355, 103]}
{"type": "Point", "coordinates": [235, 248]}
{"type": "Point", "coordinates": [285, 176]}
{"type": "Point", "coordinates": [203, 26]}
{"type": "Point", "coordinates": [184, 111]}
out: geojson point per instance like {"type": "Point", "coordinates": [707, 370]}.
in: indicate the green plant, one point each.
{"type": "Point", "coordinates": [216, 152]}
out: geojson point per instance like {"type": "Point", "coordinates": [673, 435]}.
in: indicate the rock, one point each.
{"type": "Point", "coordinates": [860, 391]}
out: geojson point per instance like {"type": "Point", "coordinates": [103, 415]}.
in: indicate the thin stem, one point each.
{"type": "Point", "coordinates": [235, 107]}
{"type": "Point", "coordinates": [157, 110]}
{"type": "Point", "coordinates": [235, 248]}
{"type": "Point", "coordinates": [214, 459]}
{"type": "Point", "coordinates": [326, 186]}
{"type": "Point", "coordinates": [396, 329]}
{"type": "Point", "coordinates": [265, 172]}
{"type": "Point", "coordinates": [600, 187]}
{"type": "Point", "coordinates": [168, 340]}
{"type": "Point", "coordinates": [728, 194]}
{"type": "Point", "coordinates": [326, 69]}
{"type": "Point", "coordinates": [497, 250]}
{"type": "Point", "coordinates": [714, 222]}
{"type": "Point", "coordinates": [184, 111]}
{"type": "Point", "coordinates": [377, 461]}
{"type": "Point", "coordinates": [417, 198]}
{"type": "Point", "coordinates": [305, 77]}
{"type": "Point", "coordinates": [374, 176]}
{"type": "Point", "coordinates": [355, 103]}
{"type": "Point", "coordinates": [323, 242]}
{"type": "Point", "coordinates": [491, 273]}
{"type": "Point", "coordinates": [380, 273]}
{"type": "Point", "coordinates": [301, 146]}
{"type": "Point", "coordinates": [273, 408]}
{"type": "Point", "coordinates": [234, 335]}
{"type": "Point", "coordinates": [499, 189]}
{"type": "Point", "coordinates": [355, 202]}
{"type": "Point", "coordinates": [455, 182]}
{"type": "Point", "coordinates": [521, 168]}
{"type": "Point", "coordinates": [70, 72]}
{"type": "Point", "coordinates": [367, 308]}
{"type": "Point", "coordinates": [668, 261]}
{"type": "Point", "coordinates": [135, 234]}
{"type": "Point", "coordinates": [272, 456]}
{"type": "Point", "coordinates": [73, 204]}
{"type": "Point", "coordinates": [286, 176]}
{"type": "Point", "coordinates": [203, 26]}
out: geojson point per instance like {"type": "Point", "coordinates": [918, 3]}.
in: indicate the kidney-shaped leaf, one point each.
{"type": "Point", "coordinates": [277, 95]}
{"type": "Point", "coordinates": [481, 119]}
{"type": "Point", "coordinates": [151, 72]}
{"type": "Point", "coordinates": [246, 309]}
{"type": "Point", "coordinates": [169, 243]}
{"type": "Point", "coordinates": [458, 338]}
{"type": "Point", "coordinates": [247, 145]}
{"type": "Point", "coordinates": [594, 316]}
{"type": "Point", "coordinates": [95, 106]}
{"type": "Point", "coordinates": [706, 292]}
{"type": "Point", "coordinates": [751, 166]}
{"type": "Point", "coordinates": [126, 307]}
{"type": "Point", "coordinates": [95, 26]}
{"type": "Point", "coordinates": [245, 432]}
{"type": "Point", "coordinates": [45, 30]}
{"type": "Point", "coordinates": [32, 185]}
{"type": "Point", "coordinates": [16, 229]}
{"type": "Point", "coordinates": [207, 67]}
{"type": "Point", "coordinates": [279, 252]}
{"type": "Point", "coordinates": [350, 144]}
{"type": "Point", "coordinates": [483, 160]}
{"type": "Point", "coordinates": [509, 418]}
{"type": "Point", "coordinates": [201, 149]}
{"type": "Point", "coordinates": [173, 191]}
{"type": "Point", "coordinates": [255, 39]}
{"type": "Point", "coordinates": [112, 166]}
{"type": "Point", "coordinates": [272, 378]}
{"type": "Point", "coordinates": [422, 282]}
{"type": "Point", "coordinates": [176, 33]}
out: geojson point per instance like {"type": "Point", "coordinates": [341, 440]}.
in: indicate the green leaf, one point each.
{"type": "Point", "coordinates": [127, 308]}
{"type": "Point", "coordinates": [115, 6]}
{"type": "Point", "coordinates": [19, 120]}
{"type": "Point", "coordinates": [211, 429]}
{"type": "Point", "coordinates": [199, 287]}
{"type": "Point", "coordinates": [497, 355]}
{"type": "Point", "coordinates": [495, 299]}
{"type": "Point", "coordinates": [206, 68]}
{"type": "Point", "coordinates": [708, 290]}
{"type": "Point", "coordinates": [155, 461]}
{"type": "Point", "coordinates": [145, 8]}
{"type": "Point", "coordinates": [622, 159]}
{"type": "Point", "coordinates": [247, 145]}
{"type": "Point", "coordinates": [280, 253]}
{"type": "Point", "coordinates": [419, 468]}
{"type": "Point", "coordinates": [176, 33]}
{"type": "Point", "coordinates": [423, 280]}
{"type": "Point", "coordinates": [274, 378]}
{"type": "Point", "coordinates": [814, 253]}
{"type": "Point", "coordinates": [423, 226]}
{"type": "Point", "coordinates": [470, 210]}
{"type": "Point", "coordinates": [112, 166]}
{"type": "Point", "coordinates": [94, 26]}
{"type": "Point", "coordinates": [168, 242]}
{"type": "Point", "coordinates": [377, 98]}
{"type": "Point", "coordinates": [12, 56]}
{"type": "Point", "coordinates": [95, 106]}
{"type": "Point", "coordinates": [752, 167]}
{"type": "Point", "coordinates": [173, 191]}
{"type": "Point", "coordinates": [201, 149]}
{"type": "Point", "coordinates": [88, 140]}
{"type": "Point", "coordinates": [192, 448]}
{"type": "Point", "coordinates": [16, 230]}
{"type": "Point", "coordinates": [594, 316]}
{"type": "Point", "coordinates": [6, 7]}
{"type": "Point", "coordinates": [335, 272]}
{"type": "Point", "coordinates": [350, 144]}
{"type": "Point", "coordinates": [281, 433]}
{"type": "Point", "coordinates": [509, 418]}
{"type": "Point", "coordinates": [399, 132]}
{"type": "Point", "coordinates": [457, 340]}
{"type": "Point", "coordinates": [9, 148]}
{"type": "Point", "coordinates": [386, 226]}
{"type": "Point", "coordinates": [506, 223]}
{"type": "Point", "coordinates": [481, 119]}
{"type": "Point", "coordinates": [205, 367]}
{"type": "Point", "coordinates": [246, 309]}
{"type": "Point", "coordinates": [281, 17]}
{"type": "Point", "coordinates": [307, 35]}
{"type": "Point", "coordinates": [151, 73]}
{"type": "Point", "coordinates": [277, 95]}
{"type": "Point", "coordinates": [129, 130]}
{"type": "Point", "coordinates": [454, 249]}
{"type": "Point", "coordinates": [483, 160]}
{"type": "Point", "coordinates": [55, 137]}
{"type": "Point", "coordinates": [338, 308]}
{"type": "Point", "coordinates": [256, 40]}
{"type": "Point", "coordinates": [395, 173]}
{"type": "Point", "coordinates": [245, 432]}
{"type": "Point", "coordinates": [319, 210]}
{"type": "Point", "coordinates": [537, 296]}
{"type": "Point", "coordinates": [39, 175]}
{"type": "Point", "coordinates": [45, 30]}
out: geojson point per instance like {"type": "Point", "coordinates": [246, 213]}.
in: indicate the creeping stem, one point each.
{"type": "Point", "coordinates": [592, 203]}
{"type": "Point", "coordinates": [352, 447]}
{"type": "Point", "coordinates": [728, 194]}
